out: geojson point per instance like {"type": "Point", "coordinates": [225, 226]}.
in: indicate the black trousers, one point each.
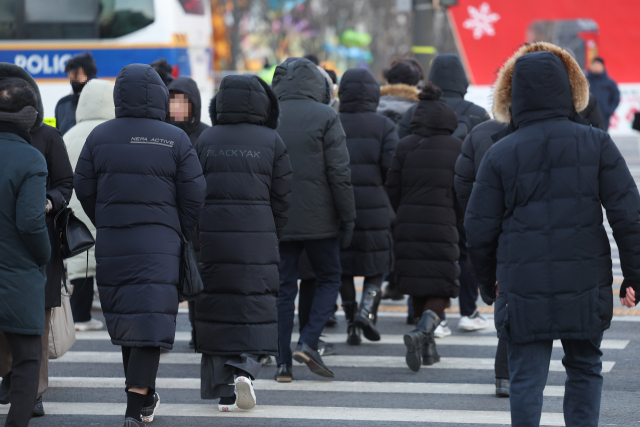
{"type": "Point", "coordinates": [502, 360]}
{"type": "Point", "coordinates": [141, 367]}
{"type": "Point", "coordinates": [82, 299]}
{"type": "Point", "coordinates": [25, 373]}
{"type": "Point", "coordinates": [469, 289]}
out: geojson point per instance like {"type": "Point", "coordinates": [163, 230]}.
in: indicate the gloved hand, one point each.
{"type": "Point", "coordinates": [633, 298]}
{"type": "Point", "coordinates": [346, 233]}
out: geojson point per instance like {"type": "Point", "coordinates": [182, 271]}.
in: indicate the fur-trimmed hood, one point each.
{"type": "Point", "coordinates": [400, 90]}
{"type": "Point", "coordinates": [245, 99]}
{"type": "Point", "coordinates": [10, 70]}
{"type": "Point", "coordinates": [541, 80]}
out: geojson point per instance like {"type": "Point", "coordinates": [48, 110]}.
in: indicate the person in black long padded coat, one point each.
{"type": "Point", "coordinates": [139, 181]}
{"type": "Point", "coordinates": [371, 141]}
{"type": "Point", "coordinates": [248, 176]}
{"type": "Point", "coordinates": [49, 142]}
{"type": "Point", "coordinates": [420, 185]}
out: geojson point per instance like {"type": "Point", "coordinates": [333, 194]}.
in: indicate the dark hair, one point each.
{"type": "Point", "coordinates": [16, 94]}
{"type": "Point", "coordinates": [598, 59]}
{"type": "Point", "coordinates": [313, 58]}
{"type": "Point", "coordinates": [406, 70]}
{"type": "Point", "coordinates": [430, 92]}
{"type": "Point", "coordinates": [333, 75]}
{"type": "Point", "coordinates": [84, 61]}
{"type": "Point", "coordinates": [162, 67]}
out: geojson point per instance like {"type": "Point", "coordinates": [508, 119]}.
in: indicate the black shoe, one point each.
{"type": "Point", "coordinates": [422, 335]}
{"type": "Point", "coordinates": [284, 373]}
{"type": "Point", "coordinates": [5, 387]}
{"type": "Point", "coordinates": [310, 357]}
{"type": "Point", "coordinates": [147, 413]}
{"type": "Point", "coordinates": [130, 422]}
{"type": "Point", "coordinates": [326, 349]}
{"type": "Point", "coordinates": [367, 316]}
{"type": "Point", "coordinates": [429, 352]}
{"type": "Point", "coordinates": [353, 333]}
{"type": "Point", "coordinates": [38, 410]}
{"type": "Point", "coordinates": [502, 387]}
{"type": "Point", "coordinates": [333, 321]}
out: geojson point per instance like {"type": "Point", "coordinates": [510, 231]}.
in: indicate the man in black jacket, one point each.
{"type": "Point", "coordinates": [534, 225]}
{"type": "Point", "coordinates": [81, 68]}
{"type": "Point", "coordinates": [322, 213]}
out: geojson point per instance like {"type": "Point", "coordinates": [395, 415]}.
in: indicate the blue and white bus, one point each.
{"type": "Point", "coordinates": [41, 35]}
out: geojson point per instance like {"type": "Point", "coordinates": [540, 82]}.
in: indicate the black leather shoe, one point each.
{"type": "Point", "coordinates": [502, 387]}
{"type": "Point", "coordinates": [5, 387]}
{"type": "Point", "coordinates": [422, 336]}
{"type": "Point", "coordinates": [313, 360]}
{"type": "Point", "coordinates": [353, 333]}
{"type": "Point", "coordinates": [38, 410]}
{"type": "Point", "coordinates": [367, 316]}
{"type": "Point", "coordinates": [284, 373]}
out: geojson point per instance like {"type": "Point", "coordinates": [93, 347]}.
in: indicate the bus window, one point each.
{"type": "Point", "coordinates": [59, 19]}
{"type": "Point", "coordinates": [8, 19]}
{"type": "Point", "coordinates": [195, 7]}
{"type": "Point", "coordinates": [121, 17]}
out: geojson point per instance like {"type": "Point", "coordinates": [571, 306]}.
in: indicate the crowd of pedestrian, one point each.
{"type": "Point", "coordinates": [297, 181]}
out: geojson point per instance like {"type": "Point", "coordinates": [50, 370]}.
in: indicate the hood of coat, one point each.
{"type": "Point", "coordinates": [96, 101]}
{"type": "Point", "coordinates": [140, 92]}
{"type": "Point", "coordinates": [300, 78]}
{"type": "Point", "coordinates": [448, 74]}
{"type": "Point", "coordinates": [540, 80]}
{"type": "Point", "coordinates": [189, 87]}
{"type": "Point", "coordinates": [433, 118]}
{"type": "Point", "coordinates": [400, 90]}
{"type": "Point", "coordinates": [245, 99]}
{"type": "Point", "coordinates": [359, 91]}
{"type": "Point", "coordinates": [10, 70]}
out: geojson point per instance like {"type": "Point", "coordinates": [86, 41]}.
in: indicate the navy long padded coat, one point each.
{"type": "Point", "coordinates": [371, 141]}
{"type": "Point", "coordinates": [248, 176]}
{"type": "Point", "coordinates": [534, 220]}
{"type": "Point", "coordinates": [141, 184]}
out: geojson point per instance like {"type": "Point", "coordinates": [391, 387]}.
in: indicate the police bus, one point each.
{"type": "Point", "coordinates": [41, 35]}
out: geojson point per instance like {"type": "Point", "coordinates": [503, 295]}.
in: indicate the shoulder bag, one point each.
{"type": "Point", "coordinates": [62, 331]}
{"type": "Point", "coordinates": [75, 236]}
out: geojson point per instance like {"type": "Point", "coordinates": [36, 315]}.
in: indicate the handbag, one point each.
{"type": "Point", "coordinates": [62, 331]}
{"type": "Point", "coordinates": [75, 236]}
{"type": "Point", "coordinates": [190, 285]}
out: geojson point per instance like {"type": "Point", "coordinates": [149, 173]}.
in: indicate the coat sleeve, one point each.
{"type": "Point", "coordinates": [280, 186]}
{"type": "Point", "coordinates": [60, 172]}
{"type": "Point", "coordinates": [394, 177]}
{"type": "Point", "coordinates": [465, 172]}
{"type": "Point", "coordinates": [404, 126]}
{"type": "Point", "coordinates": [483, 224]}
{"type": "Point", "coordinates": [85, 181]}
{"type": "Point", "coordinates": [191, 188]}
{"type": "Point", "coordinates": [337, 163]}
{"type": "Point", "coordinates": [30, 212]}
{"type": "Point", "coordinates": [389, 144]}
{"type": "Point", "coordinates": [613, 98]}
{"type": "Point", "coordinates": [620, 198]}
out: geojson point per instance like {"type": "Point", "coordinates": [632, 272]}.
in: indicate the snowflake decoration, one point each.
{"type": "Point", "coordinates": [481, 21]}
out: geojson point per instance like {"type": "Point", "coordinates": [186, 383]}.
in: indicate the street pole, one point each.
{"type": "Point", "coordinates": [423, 33]}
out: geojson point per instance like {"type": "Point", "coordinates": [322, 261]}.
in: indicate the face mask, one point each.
{"type": "Point", "coordinates": [77, 86]}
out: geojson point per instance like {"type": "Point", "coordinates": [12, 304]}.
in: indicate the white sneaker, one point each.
{"type": "Point", "coordinates": [475, 322]}
{"type": "Point", "coordinates": [91, 325]}
{"type": "Point", "coordinates": [246, 396]}
{"type": "Point", "coordinates": [442, 330]}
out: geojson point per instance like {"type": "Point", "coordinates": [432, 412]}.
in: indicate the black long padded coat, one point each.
{"type": "Point", "coordinates": [371, 141]}
{"type": "Point", "coordinates": [49, 142]}
{"type": "Point", "coordinates": [534, 220]}
{"type": "Point", "coordinates": [420, 187]}
{"type": "Point", "coordinates": [248, 176]}
{"type": "Point", "coordinates": [139, 181]}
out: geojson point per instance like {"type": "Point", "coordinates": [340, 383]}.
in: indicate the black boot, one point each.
{"type": "Point", "coordinates": [429, 352]}
{"type": "Point", "coordinates": [420, 337]}
{"type": "Point", "coordinates": [353, 332]}
{"type": "Point", "coordinates": [366, 318]}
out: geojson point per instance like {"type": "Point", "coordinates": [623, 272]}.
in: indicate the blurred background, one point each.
{"type": "Point", "coordinates": [208, 39]}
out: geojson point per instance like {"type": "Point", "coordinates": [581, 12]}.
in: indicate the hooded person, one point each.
{"type": "Point", "coordinates": [400, 93]}
{"type": "Point", "coordinates": [420, 187]}
{"type": "Point", "coordinates": [81, 69]}
{"type": "Point", "coordinates": [140, 183]}
{"type": "Point", "coordinates": [604, 89]}
{"type": "Point", "coordinates": [535, 225]}
{"type": "Point", "coordinates": [371, 141]}
{"type": "Point", "coordinates": [322, 213]}
{"type": "Point", "coordinates": [48, 141]}
{"type": "Point", "coordinates": [185, 107]}
{"type": "Point", "coordinates": [248, 185]}
{"type": "Point", "coordinates": [95, 107]}
{"type": "Point", "coordinates": [24, 249]}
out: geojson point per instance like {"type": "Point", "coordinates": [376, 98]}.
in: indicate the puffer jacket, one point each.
{"type": "Point", "coordinates": [448, 74]}
{"type": "Point", "coordinates": [395, 100]}
{"type": "Point", "coordinates": [534, 221]}
{"type": "Point", "coordinates": [140, 183]}
{"type": "Point", "coordinates": [49, 142]}
{"type": "Point", "coordinates": [606, 91]}
{"type": "Point", "coordinates": [322, 195]}
{"type": "Point", "coordinates": [94, 107]}
{"type": "Point", "coordinates": [371, 141]}
{"type": "Point", "coordinates": [420, 187]}
{"type": "Point", "coordinates": [248, 176]}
